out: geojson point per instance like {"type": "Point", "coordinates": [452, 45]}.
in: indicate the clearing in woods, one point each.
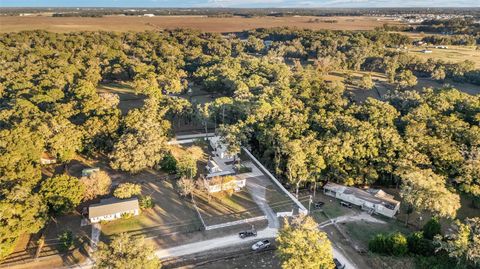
{"type": "Point", "coordinates": [452, 54]}
{"type": "Point", "coordinates": [202, 23]}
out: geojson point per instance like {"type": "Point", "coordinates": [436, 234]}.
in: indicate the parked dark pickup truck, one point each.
{"type": "Point", "coordinates": [247, 233]}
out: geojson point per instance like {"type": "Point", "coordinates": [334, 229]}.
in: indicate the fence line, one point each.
{"type": "Point", "coordinates": [232, 223]}
{"type": "Point", "coordinates": [302, 208]}
{"type": "Point", "coordinates": [198, 213]}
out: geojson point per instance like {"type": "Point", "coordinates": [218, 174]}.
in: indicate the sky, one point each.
{"type": "Point", "coordinates": [241, 3]}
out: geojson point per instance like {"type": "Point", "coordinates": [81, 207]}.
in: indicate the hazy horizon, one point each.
{"type": "Point", "coordinates": [241, 4]}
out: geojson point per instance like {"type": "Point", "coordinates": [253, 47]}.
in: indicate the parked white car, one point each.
{"type": "Point", "coordinates": [260, 245]}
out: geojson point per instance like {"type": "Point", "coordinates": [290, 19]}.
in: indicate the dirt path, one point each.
{"type": "Point", "coordinates": [96, 229]}
{"type": "Point", "coordinates": [363, 216]}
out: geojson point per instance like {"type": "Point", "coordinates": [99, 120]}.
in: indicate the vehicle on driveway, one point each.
{"type": "Point", "coordinates": [261, 245]}
{"type": "Point", "coordinates": [338, 264]}
{"type": "Point", "coordinates": [319, 204]}
{"type": "Point", "coordinates": [346, 204]}
{"type": "Point", "coordinates": [247, 233]}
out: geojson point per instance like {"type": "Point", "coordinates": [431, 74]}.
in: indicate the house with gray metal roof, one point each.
{"type": "Point", "coordinates": [371, 200]}
{"type": "Point", "coordinates": [112, 208]}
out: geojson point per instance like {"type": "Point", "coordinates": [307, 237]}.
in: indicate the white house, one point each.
{"type": "Point", "coordinates": [112, 208]}
{"type": "Point", "coordinates": [149, 15]}
{"type": "Point", "coordinates": [219, 148]}
{"type": "Point", "coordinates": [216, 167]}
{"type": "Point", "coordinates": [372, 200]}
{"type": "Point", "coordinates": [218, 184]}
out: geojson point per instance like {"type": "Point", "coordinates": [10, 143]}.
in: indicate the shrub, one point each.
{"type": "Point", "coordinates": [126, 215]}
{"type": "Point", "coordinates": [432, 228]}
{"type": "Point", "coordinates": [393, 244]}
{"type": "Point", "coordinates": [66, 241]}
{"type": "Point", "coordinates": [169, 164]}
{"type": "Point", "coordinates": [397, 244]}
{"type": "Point", "coordinates": [127, 190]}
{"type": "Point", "coordinates": [146, 202]}
{"type": "Point", "coordinates": [378, 243]}
{"type": "Point", "coordinates": [417, 244]}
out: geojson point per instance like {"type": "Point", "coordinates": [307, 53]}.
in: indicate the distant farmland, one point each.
{"type": "Point", "coordinates": [208, 24]}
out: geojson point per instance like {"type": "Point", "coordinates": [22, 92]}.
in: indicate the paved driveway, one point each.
{"type": "Point", "coordinates": [257, 188]}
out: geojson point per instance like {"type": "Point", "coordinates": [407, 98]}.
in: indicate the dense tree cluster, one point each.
{"type": "Point", "coordinates": [302, 127]}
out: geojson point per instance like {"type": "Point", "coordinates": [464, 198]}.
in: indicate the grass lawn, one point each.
{"type": "Point", "coordinates": [330, 209]}
{"type": "Point", "coordinates": [278, 200]}
{"type": "Point", "coordinates": [376, 261]}
{"type": "Point", "coordinates": [224, 208]}
{"type": "Point", "coordinates": [171, 213]}
{"type": "Point", "coordinates": [362, 231]}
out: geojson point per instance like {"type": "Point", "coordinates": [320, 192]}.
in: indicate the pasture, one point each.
{"type": "Point", "coordinates": [202, 23]}
{"type": "Point", "coordinates": [452, 54]}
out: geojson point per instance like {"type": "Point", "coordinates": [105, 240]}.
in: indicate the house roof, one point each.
{"type": "Point", "coordinates": [213, 164]}
{"type": "Point", "coordinates": [47, 156]}
{"type": "Point", "coordinates": [112, 206]}
{"type": "Point", "coordinates": [371, 195]}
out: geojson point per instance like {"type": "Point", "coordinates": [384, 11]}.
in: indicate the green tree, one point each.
{"type": "Point", "coordinates": [464, 242]}
{"type": "Point", "coordinates": [127, 190]}
{"type": "Point", "coordinates": [438, 74]}
{"type": "Point", "coordinates": [62, 193]}
{"type": "Point", "coordinates": [126, 252]}
{"type": "Point", "coordinates": [405, 79]}
{"type": "Point", "coordinates": [367, 82]}
{"type": "Point", "coordinates": [187, 166]}
{"type": "Point", "coordinates": [302, 245]}
{"type": "Point", "coordinates": [426, 191]}
{"type": "Point", "coordinates": [21, 212]}
{"type": "Point", "coordinates": [66, 240]}
{"type": "Point", "coordinates": [96, 184]}
{"type": "Point", "coordinates": [143, 143]}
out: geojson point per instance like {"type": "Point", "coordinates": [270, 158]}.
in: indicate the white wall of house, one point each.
{"type": "Point", "coordinates": [113, 216]}
{"type": "Point", "coordinates": [47, 160]}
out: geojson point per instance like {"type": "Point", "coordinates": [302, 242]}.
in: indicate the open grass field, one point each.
{"type": "Point", "coordinates": [233, 24]}
{"type": "Point", "coordinates": [452, 54]}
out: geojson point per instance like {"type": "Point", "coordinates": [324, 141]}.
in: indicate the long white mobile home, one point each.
{"type": "Point", "coordinates": [372, 200]}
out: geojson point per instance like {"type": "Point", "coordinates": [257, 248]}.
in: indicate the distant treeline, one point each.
{"type": "Point", "coordinates": [245, 12]}
{"type": "Point", "coordinates": [453, 26]}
